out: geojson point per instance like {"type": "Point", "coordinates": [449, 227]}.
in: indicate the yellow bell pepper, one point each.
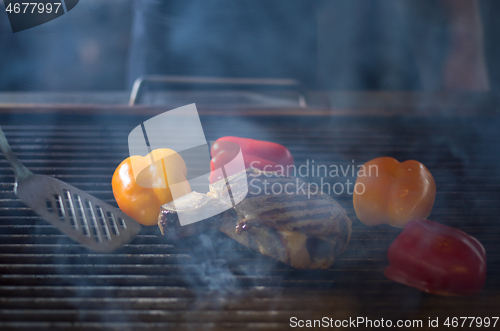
{"type": "Point", "coordinates": [139, 184]}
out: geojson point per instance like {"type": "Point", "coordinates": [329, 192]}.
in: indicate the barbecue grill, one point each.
{"type": "Point", "coordinates": [210, 281]}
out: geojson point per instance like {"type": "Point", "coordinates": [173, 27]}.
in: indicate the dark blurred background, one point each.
{"type": "Point", "coordinates": [83, 50]}
{"type": "Point", "coordinates": [361, 45]}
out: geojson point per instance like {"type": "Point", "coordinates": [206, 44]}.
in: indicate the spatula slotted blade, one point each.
{"type": "Point", "coordinates": [86, 219]}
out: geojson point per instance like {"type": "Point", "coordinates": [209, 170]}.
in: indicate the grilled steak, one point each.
{"type": "Point", "coordinates": [297, 227]}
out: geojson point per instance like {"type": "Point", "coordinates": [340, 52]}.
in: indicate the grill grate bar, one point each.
{"type": "Point", "coordinates": [153, 315]}
{"type": "Point", "coordinates": [119, 326]}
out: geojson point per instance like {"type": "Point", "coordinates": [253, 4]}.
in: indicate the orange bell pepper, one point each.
{"type": "Point", "coordinates": [388, 191]}
{"type": "Point", "coordinates": [142, 195]}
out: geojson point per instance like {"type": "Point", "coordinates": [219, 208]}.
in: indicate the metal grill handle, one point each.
{"type": "Point", "coordinates": [140, 82]}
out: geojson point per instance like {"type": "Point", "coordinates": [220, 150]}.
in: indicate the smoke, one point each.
{"type": "Point", "coordinates": [220, 272]}
{"type": "Point", "coordinates": [219, 266]}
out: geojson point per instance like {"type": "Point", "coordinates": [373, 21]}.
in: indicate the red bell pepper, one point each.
{"type": "Point", "coordinates": [437, 259]}
{"type": "Point", "coordinates": [262, 155]}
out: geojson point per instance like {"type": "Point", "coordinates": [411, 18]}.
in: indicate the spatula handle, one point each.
{"type": "Point", "coordinates": [19, 169]}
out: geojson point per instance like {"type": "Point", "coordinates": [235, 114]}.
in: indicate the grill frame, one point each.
{"type": "Point", "coordinates": [155, 284]}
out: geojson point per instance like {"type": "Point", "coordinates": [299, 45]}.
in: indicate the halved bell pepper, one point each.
{"type": "Point", "coordinates": [139, 184]}
{"type": "Point", "coordinates": [388, 191]}
{"type": "Point", "coordinates": [262, 155]}
{"type": "Point", "coordinates": [437, 259]}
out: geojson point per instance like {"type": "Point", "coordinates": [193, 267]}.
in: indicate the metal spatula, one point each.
{"type": "Point", "coordinates": [86, 219]}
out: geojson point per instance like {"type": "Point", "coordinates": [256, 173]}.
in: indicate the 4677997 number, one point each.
{"type": "Point", "coordinates": [33, 7]}
{"type": "Point", "coordinates": [462, 322]}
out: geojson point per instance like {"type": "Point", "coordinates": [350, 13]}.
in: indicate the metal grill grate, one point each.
{"type": "Point", "coordinates": [211, 282]}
